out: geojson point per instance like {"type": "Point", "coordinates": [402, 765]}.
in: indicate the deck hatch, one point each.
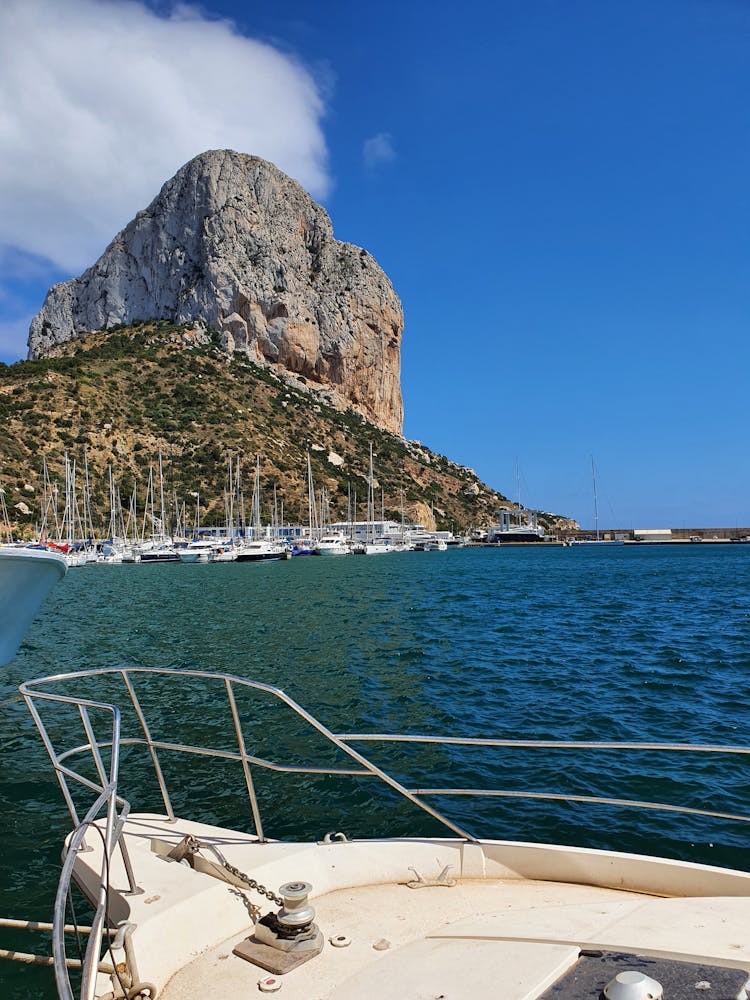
{"type": "Point", "coordinates": [681, 980]}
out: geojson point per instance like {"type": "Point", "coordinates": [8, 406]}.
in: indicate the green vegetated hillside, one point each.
{"type": "Point", "coordinates": [123, 397]}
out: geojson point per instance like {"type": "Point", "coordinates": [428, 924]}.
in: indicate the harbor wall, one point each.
{"type": "Point", "coordinates": [660, 535]}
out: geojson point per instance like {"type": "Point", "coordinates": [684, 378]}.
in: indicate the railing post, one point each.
{"type": "Point", "coordinates": [54, 758]}
{"type": "Point", "coordinates": [149, 742]}
{"type": "Point", "coordinates": [133, 887]}
{"type": "Point", "coordinates": [89, 730]}
{"type": "Point", "coordinates": [245, 763]}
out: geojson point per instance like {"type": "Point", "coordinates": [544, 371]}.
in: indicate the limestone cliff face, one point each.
{"type": "Point", "coordinates": [233, 243]}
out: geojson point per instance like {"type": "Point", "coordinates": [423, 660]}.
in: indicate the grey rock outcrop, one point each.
{"type": "Point", "coordinates": [234, 244]}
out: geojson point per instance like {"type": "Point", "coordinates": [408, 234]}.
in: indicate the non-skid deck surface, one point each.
{"type": "Point", "coordinates": [680, 980]}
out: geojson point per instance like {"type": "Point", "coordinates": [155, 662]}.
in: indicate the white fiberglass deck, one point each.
{"type": "Point", "coordinates": [514, 922]}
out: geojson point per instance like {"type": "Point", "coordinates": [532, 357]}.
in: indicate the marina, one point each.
{"type": "Point", "coordinates": [475, 644]}
{"type": "Point", "coordinates": [288, 284]}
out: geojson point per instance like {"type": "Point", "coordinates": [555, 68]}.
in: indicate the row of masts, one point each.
{"type": "Point", "coordinates": [66, 517]}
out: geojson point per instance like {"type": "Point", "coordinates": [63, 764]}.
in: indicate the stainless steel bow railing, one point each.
{"type": "Point", "coordinates": [107, 799]}
{"type": "Point", "coordinates": [39, 693]}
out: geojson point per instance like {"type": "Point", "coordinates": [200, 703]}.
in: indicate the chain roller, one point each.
{"type": "Point", "coordinates": [191, 845]}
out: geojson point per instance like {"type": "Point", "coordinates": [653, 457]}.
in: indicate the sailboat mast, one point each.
{"type": "Point", "coordinates": [518, 491]}
{"type": "Point", "coordinates": [256, 499]}
{"type": "Point", "coordinates": [149, 500]}
{"type": "Point", "coordinates": [311, 499]}
{"type": "Point", "coordinates": [161, 497]}
{"type": "Point", "coordinates": [112, 515]}
{"type": "Point", "coordinates": [370, 501]}
{"type": "Point", "coordinates": [596, 504]}
{"type": "Point", "coordinates": [89, 529]}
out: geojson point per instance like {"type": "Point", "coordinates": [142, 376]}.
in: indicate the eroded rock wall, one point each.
{"type": "Point", "coordinates": [233, 243]}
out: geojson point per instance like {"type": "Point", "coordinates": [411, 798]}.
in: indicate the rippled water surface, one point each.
{"type": "Point", "coordinates": [617, 644]}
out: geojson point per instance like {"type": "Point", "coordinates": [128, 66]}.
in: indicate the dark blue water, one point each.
{"type": "Point", "coordinates": [617, 644]}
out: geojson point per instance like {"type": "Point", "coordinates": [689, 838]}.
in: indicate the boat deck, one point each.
{"type": "Point", "coordinates": [514, 922]}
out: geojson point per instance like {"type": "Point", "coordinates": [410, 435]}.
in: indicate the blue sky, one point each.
{"type": "Point", "coordinates": [558, 191]}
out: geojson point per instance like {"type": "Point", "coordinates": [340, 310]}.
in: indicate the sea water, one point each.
{"type": "Point", "coordinates": [618, 644]}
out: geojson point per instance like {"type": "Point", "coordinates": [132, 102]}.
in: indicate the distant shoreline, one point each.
{"type": "Point", "coordinates": [564, 543]}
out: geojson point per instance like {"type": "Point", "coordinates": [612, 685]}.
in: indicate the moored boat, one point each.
{"type": "Point", "coordinates": [426, 541]}
{"type": "Point", "coordinates": [303, 547]}
{"type": "Point", "coordinates": [525, 528]}
{"type": "Point", "coordinates": [26, 577]}
{"type": "Point", "coordinates": [597, 539]}
{"type": "Point", "coordinates": [334, 543]}
{"type": "Point", "coordinates": [432, 545]}
{"type": "Point", "coordinates": [200, 550]}
{"type": "Point", "coordinates": [225, 552]}
{"type": "Point", "coordinates": [260, 550]}
{"type": "Point", "coordinates": [159, 554]}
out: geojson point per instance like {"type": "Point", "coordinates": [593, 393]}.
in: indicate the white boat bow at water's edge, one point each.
{"type": "Point", "coordinates": [400, 918]}
{"type": "Point", "coordinates": [26, 577]}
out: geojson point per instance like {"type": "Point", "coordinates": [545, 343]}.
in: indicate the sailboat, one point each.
{"type": "Point", "coordinates": [198, 549]}
{"type": "Point", "coordinates": [372, 545]}
{"type": "Point", "coordinates": [159, 548]}
{"type": "Point", "coordinates": [259, 549]}
{"type": "Point", "coordinates": [598, 540]}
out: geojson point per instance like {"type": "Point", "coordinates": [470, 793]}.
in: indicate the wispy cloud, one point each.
{"type": "Point", "coordinates": [117, 98]}
{"type": "Point", "coordinates": [378, 150]}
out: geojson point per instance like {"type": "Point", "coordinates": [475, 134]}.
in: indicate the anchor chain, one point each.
{"type": "Point", "coordinates": [190, 845]}
{"type": "Point", "coordinates": [253, 884]}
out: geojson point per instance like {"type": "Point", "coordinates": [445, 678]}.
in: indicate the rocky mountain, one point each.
{"type": "Point", "coordinates": [122, 398]}
{"type": "Point", "coordinates": [233, 246]}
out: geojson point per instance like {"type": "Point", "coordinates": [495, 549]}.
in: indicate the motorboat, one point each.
{"type": "Point", "coordinates": [303, 547]}
{"type": "Point", "coordinates": [200, 550]}
{"type": "Point", "coordinates": [525, 528]}
{"type": "Point", "coordinates": [225, 551]}
{"type": "Point", "coordinates": [26, 577]}
{"type": "Point", "coordinates": [161, 554]}
{"type": "Point", "coordinates": [426, 542]}
{"type": "Point", "coordinates": [334, 543]}
{"type": "Point", "coordinates": [185, 908]}
{"type": "Point", "coordinates": [260, 549]}
{"type": "Point", "coordinates": [376, 547]}
{"type": "Point", "coordinates": [157, 551]}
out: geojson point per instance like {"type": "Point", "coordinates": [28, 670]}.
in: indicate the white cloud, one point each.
{"type": "Point", "coordinates": [379, 149]}
{"type": "Point", "coordinates": [101, 101]}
